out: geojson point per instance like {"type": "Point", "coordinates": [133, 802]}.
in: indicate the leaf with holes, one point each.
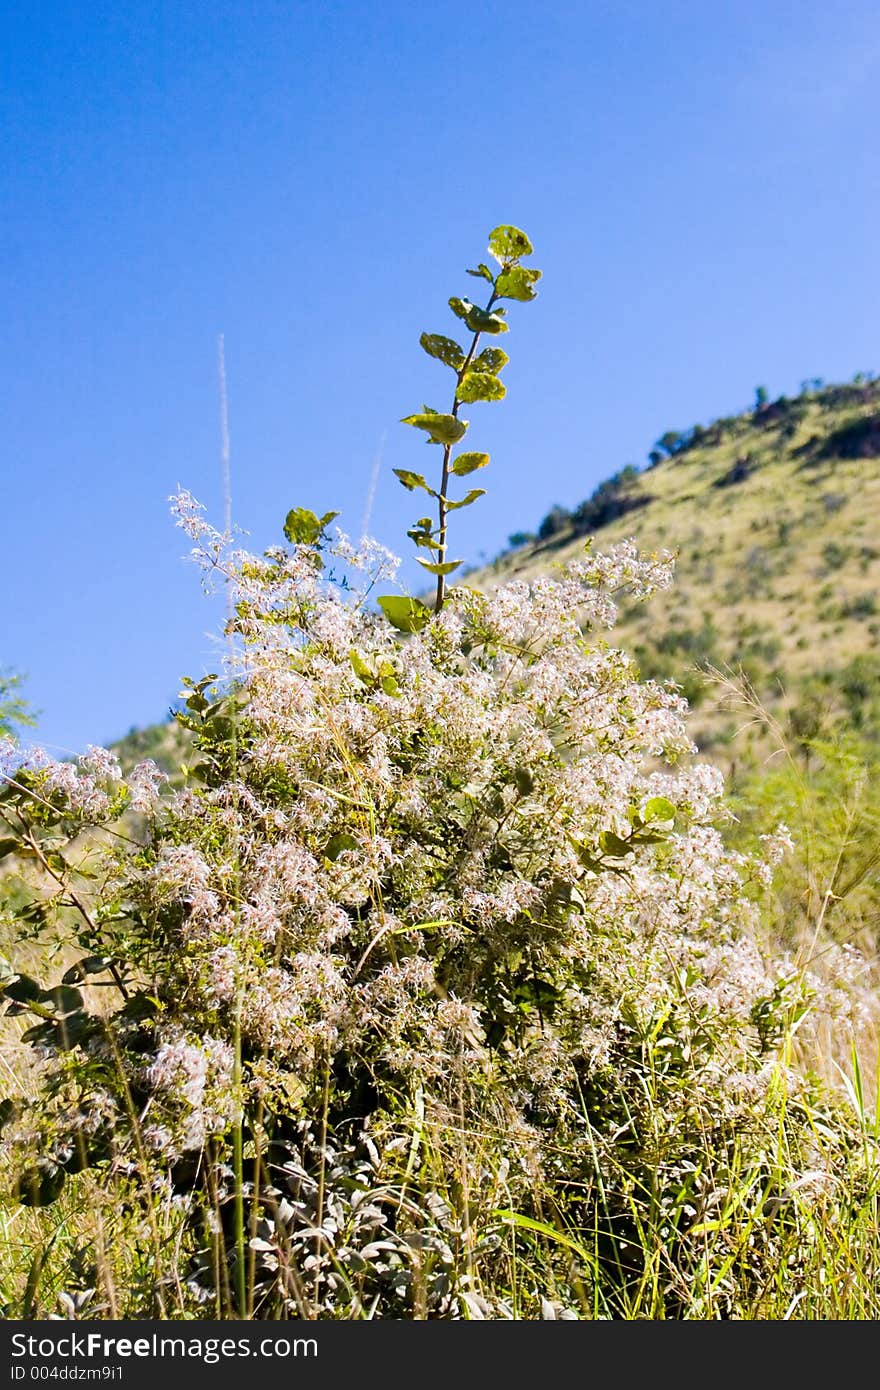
{"type": "Point", "coordinates": [480, 386]}
{"type": "Point", "coordinates": [446, 350]}
{"type": "Point", "coordinates": [517, 283]}
{"type": "Point", "coordinates": [491, 360]}
{"type": "Point", "coordinates": [508, 244]}
{"type": "Point", "coordinates": [478, 320]}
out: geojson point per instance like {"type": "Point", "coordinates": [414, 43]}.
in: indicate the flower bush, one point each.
{"type": "Point", "coordinates": [433, 989]}
{"type": "Point", "coordinates": [449, 902]}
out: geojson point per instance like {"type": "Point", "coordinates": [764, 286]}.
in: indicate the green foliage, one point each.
{"type": "Point", "coordinates": [406, 614]}
{"type": "Point", "coordinates": [509, 245]}
{"type": "Point", "coordinates": [476, 379]}
{"type": "Point", "coordinates": [411, 480]}
{"type": "Point", "coordinates": [440, 429]}
{"type": "Point", "coordinates": [463, 464]}
{"type": "Point", "coordinates": [302, 527]}
{"type": "Point", "coordinates": [15, 712]}
{"type": "Point", "coordinates": [517, 283]}
{"type": "Point", "coordinates": [480, 386]}
{"type": "Point", "coordinates": [670, 442]}
{"type": "Point", "coordinates": [446, 350]}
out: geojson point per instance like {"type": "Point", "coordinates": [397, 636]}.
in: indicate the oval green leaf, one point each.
{"type": "Point", "coordinates": [472, 496]}
{"type": "Point", "coordinates": [441, 429]}
{"type": "Point", "coordinates": [446, 350]}
{"type": "Point", "coordinates": [478, 320]}
{"type": "Point", "coordinates": [446, 568]}
{"type": "Point", "coordinates": [480, 386]}
{"type": "Point", "coordinates": [303, 527]}
{"type": "Point", "coordinates": [468, 463]}
{"type": "Point", "coordinates": [490, 360]}
{"type": "Point", "coordinates": [412, 480]}
{"type": "Point", "coordinates": [659, 811]}
{"type": "Point", "coordinates": [517, 282]}
{"type": "Point", "coordinates": [613, 846]}
{"type": "Point", "coordinates": [406, 614]}
{"type": "Point", "coordinates": [508, 243]}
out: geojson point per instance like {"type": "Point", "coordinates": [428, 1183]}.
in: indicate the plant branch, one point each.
{"type": "Point", "coordinates": [442, 502]}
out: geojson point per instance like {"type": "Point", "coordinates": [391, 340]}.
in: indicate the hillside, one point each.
{"type": "Point", "coordinates": [775, 518]}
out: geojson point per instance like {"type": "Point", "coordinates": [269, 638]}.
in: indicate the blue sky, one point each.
{"type": "Point", "coordinates": [310, 179]}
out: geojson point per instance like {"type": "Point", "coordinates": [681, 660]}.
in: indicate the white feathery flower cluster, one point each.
{"type": "Point", "coordinates": [145, 782]}
{"type": "Point", "coordinates": [429, 852]}
{"type": "Point", "coordinates": [196, 1076]}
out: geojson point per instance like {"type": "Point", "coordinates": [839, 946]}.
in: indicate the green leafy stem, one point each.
{"type": "Point", "coordinates": [476, 379]}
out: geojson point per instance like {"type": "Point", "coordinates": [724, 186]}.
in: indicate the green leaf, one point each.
{"type": "Point", "coordinates": [388, 680]}
{"type": "Point", "coordinates": [8, 1111]}
{"type": "Point", "coordinates": [472, 496]}
{"type": "Point", "coordinates": [360, 667]}
{"type": "Point", "coordinates": [516, 283]}
{"type": "Point", "coordinates": [8, 845]}
{"type": "Point", "coordinates": [338, 844]}
{"type": "Point", "coordinates": [479, 386]}
{"type": "Point", "coordinates": [612, 846]}
{"type": "Point", "coordinates": [483, 272]}
{"type": "Point", "coordinates": [478, 320]}
{"type": "Point", "coordinates": [412, 480]}
{"type": "Point", "coordinates": [423, 534]}
{"type": "Point", "coordinates": [444, 349]}
{"type": "Point", "coordinates": [508, 243]}
{"type": "Point", "coordinates": [441, 429]}
{"type": "Point", "coordinates": [406, 614]}
{"type": "Point", "coordinates": [303, 527]}
{"type": "Point", "coordinates": [424, 540]}
{"type": "Point", "coordinates": [527, 1223]}
{"type": "Point", "coordinates": [446, 568]}
{"type": "Point", "coordinates": [468, 463]}
{"type": "Point", "coordinates": [490, 360]}
{"type": "Point", "coordinates": [659, 811]}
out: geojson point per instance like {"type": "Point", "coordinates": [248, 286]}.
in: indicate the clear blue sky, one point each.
{"type": "Point", "coordinates": [310, 179]}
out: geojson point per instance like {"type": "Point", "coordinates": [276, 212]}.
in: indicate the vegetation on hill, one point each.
{"type": "Point", "coordinates": [772, 517]}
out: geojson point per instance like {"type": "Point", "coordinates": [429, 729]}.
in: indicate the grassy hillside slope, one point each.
{"type": "Point", "coordinates": [775, 519]}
